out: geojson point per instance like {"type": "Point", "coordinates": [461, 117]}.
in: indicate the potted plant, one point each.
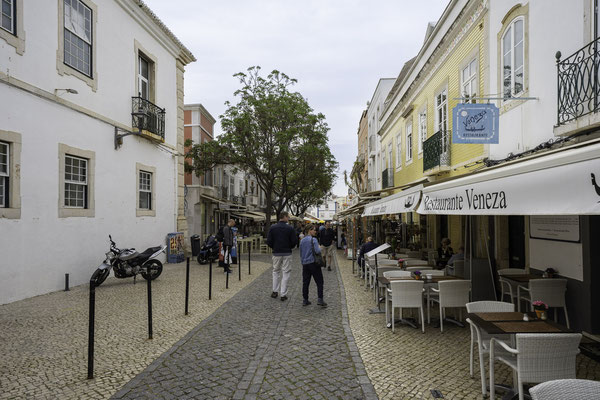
{"type": "Point", "coordinates": [550, 272]}
{"type": "Point", "coordinates": [540, 309]}
{"type": "Point", "coordinates": [417, 274]}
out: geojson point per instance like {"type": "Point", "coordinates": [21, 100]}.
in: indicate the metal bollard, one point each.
{"type": "Point", "coordinates": [226, 280]}
{"type": "Point", "coordinates": [92, 316]}
{"type": "Point", "coordinates": [149, 306]}
{"type": "Point", "coordinates": [249, 252]}
{"type": "Point", "coordinates": [239, 260]}
{"type": "Point", "coordinates": [209, 278]}
{"type": "Point", "coordinates": [187, 284]}
{"type": "Point", "coordinates": [66, 282]}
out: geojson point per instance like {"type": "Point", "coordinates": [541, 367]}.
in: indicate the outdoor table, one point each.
{"type": "Point", "coordinates": [522, 278]}
{"type": "Point", "coordinates": [501, 323]}
{"type": "Point", "coordinates": [244, 244]}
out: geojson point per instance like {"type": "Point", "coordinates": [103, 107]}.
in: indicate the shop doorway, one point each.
{"type": "Point", "coordinates": [516, 241]}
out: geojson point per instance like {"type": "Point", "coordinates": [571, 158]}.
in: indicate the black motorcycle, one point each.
{"type": "Point", "coordinates": [209, 250]}
{"type": "Point", "coordinates": [128, 262]}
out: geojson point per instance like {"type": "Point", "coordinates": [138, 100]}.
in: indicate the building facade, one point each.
{"type": "Point", "coordinates": [377, 160]}
{"type": "Point", "coordinates": [91, 132]}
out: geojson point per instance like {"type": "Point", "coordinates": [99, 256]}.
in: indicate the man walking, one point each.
{"type": "Point", "coordinates": [282, 239]}
{"type": "Point", "coordinates": [309, 247]}
{"type": "Point", "coordinates": [228, 244]}
{"type": "Point", "coordinates": [326, 240]}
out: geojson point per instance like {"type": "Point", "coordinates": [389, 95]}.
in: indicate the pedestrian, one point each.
{"type": "Point", "coordinates": [326, 240]}
{"type": "Point", "coordinates": [227, 244]}
{"type": "Point", "coordinates": [364, 249]}
{"type": "Point", "coordinates": [308, 248]}
{"type": "Point", "coordinates": [282, 239]}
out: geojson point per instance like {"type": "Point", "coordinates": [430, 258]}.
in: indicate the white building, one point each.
{"type": "Point", "coordinates": [376, 163]}
{"type": "Point", "coordinates": [73, 74]}
{"type": "Point", "coordinates": [326, 210]}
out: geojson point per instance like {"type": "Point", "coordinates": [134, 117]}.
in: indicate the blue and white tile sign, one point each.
{"type": "Point", "coordinates": [475, 123]}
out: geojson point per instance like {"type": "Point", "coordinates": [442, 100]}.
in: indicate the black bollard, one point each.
{"type": "Point", "coordinates": [187, 284]}
{"type": "Point", "coordinates": [239, 260]}
{"type": "Point", "coordinates": [92, 316]}
{"type": "Point", "coordinates": [66, 282]}
{"type": "Point", "coordinates": [249, 252]}
{"type": "Point", "coordinates": [226, 280]}
{"type": "Point", "coordinates": [149, 306]}
{"type": "Point", "coordinates": [209, 278]}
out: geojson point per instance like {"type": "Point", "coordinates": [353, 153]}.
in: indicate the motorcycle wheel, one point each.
{"type": "Point", "coordinates": [202, 260]}
{"type": "Point", "coordinates": [100, 276]}
{"type": "Point", "coordinates": [154, 266]}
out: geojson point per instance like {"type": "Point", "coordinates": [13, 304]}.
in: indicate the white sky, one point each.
{"type": "Point", "coordinates": [337, 49]}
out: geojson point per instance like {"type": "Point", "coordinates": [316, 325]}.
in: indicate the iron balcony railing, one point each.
{"type": "Point", "coordinates": [578, 88]}
{"type": "Point", "coordinates": [387, 178]}
{"type": "Point", "coordinates": [147, 116]}
{"type": "Point", "coordinates": [436, 150]}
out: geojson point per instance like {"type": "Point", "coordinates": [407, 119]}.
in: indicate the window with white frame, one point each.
{"type": "Point", "coordinates": [76, 182]}
{"type": "Point", "coordinates": [409, 141]}
{"type": "Point", "coordinates": [78, 36]}
{"type": "Point", "coordinates": [441, 111]}
{"type": "Point", "coordinates": [143, 78]}
{"type": "Point", "coordinates": [4, 174]}
{"type": "Point", "coordinates": [7, 22]}
{"type": "Point", "coordinates": [399, 150]}
{"type": "Point", "coordinates": [513, 55]}
{"type": "Point", "coordinates": [383, 160]}
{"type": "Point", "coordinates": [468, 77]}
{"type": "Point", "coordinates": [422, 129]}
{"type": "Point", "coordinates": [145, 190]}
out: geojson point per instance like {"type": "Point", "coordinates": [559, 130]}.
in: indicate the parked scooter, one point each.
{"type": "Point", "coordinates": [209, 250]}
{"type": "Point", "coordinates": [128, 262]}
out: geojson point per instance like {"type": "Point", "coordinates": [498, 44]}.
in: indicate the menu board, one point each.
{"type": "Point", "coordinates": [564, 228]}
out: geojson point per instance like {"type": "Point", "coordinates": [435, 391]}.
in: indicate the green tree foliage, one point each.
{"type": "Point", "coordinates": [274, 134]}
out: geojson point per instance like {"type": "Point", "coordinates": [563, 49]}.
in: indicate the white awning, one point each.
{"type": "Point", "coordinates": [405, 201]}
{"type": "Point", "coordinates": [559, 183]}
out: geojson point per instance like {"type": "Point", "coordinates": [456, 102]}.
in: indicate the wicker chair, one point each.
{"type": "Point", "coordinates": [450, 294]}
{"type": "Point", "coordinates": [566, 389]}
{"type": "Point", "coordinates": [532, 359]}
{"type": "Point", "coordinates": [481, 337]}
{"type": "Point", "coordinates": [381, 272]}
{"type": "Point", "coordinates": [550, 291]}
{"type": "Point", "coordinates": [397, 274]}
{"type": "Point", "coordinates": [508, 287]}
{"type": "Point", "coordinates": [406, 294]}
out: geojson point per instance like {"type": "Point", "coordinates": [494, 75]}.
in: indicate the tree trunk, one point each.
{"type": "Point", "coordinates": [268, 212]}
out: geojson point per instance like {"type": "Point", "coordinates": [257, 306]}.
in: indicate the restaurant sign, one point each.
{"type": "Point", "coordinates": [475, 123]}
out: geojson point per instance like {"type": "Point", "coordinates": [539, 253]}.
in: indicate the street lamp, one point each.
{"type": "Point", "coordinates": [141, 117]}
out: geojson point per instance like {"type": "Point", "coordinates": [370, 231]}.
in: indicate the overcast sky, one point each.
{"type": "Point", "coordinates": [336, 49]}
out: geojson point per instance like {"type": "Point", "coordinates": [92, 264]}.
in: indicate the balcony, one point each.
{"type": "Point", "coordinates": [436, 153]}
{"type": "Point", "coordinates": [224, 192]}
{"type": "Point", "coordinates": [578, 89]}
{"type": "Point", "coordinates": [148, 118]}
{"type": "Point", "coordinates": [387, 178]}
{"type": "Point", "coordinates": [240, 200]}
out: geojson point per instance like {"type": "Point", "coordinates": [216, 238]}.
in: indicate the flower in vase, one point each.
{"type": "Point", "coordinates": [539, 305]}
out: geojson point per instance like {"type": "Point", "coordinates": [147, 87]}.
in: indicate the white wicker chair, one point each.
{"type": "Point", "coordinates": [566, 389]}
{"type": "Point", "coordinates": [397, 274]}
{"type": "Point", "coordinates": [380, 272]}
{"type": "Point", "coordinates": [509, 287]}
{"type": "Point", "coordinates": [538, 357]}
{"type": "Point", "coordinates": [481, 337]}
{"type": "Point", "coordinates": [450, 294]}
{"type": "Point", "coordinates": [550, 291]}
{"type": "Point", "coordinates": [406, 294]}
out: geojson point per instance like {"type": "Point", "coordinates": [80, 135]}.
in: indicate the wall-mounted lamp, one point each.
{"type": "Point", "coordinates": [72, 91]}
{"type": "Point", "coordinates": [140, 115]}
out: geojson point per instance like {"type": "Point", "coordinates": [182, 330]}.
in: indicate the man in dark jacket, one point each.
{"type": "Point", "coordinates": [364, 249]}
{"type": "Point", "coordinates": [327, 242]}
{"type": "Point", "coordinates": [228, 244]}
{"type": "Point", "coordinates": [282, 239]}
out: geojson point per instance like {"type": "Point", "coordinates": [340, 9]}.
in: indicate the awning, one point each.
{"type": "Point", "coordinates": [248, 215]}
{"type": "Point", "coordinates": [562, 182]}
{"type": "Point", "coordinates": [257, 216]}
{"type": "Point", "coordinates": [405, 201]}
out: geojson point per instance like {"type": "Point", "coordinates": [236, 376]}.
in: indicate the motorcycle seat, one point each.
{"type": "Point", "coordinates": [149, 251]}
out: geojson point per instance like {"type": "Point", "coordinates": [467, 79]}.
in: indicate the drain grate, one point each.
{"type": "Point", "coordinates": [436, 394]}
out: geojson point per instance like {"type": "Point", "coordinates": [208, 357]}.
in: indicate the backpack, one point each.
{"type": "Point", "coordinates": [220, 235]}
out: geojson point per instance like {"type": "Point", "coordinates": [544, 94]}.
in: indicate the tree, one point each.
{"type": "Point", "coordinates": [274, 134]}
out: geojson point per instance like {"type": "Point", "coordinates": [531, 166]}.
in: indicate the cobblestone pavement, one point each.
{"type": "Point", "coordinates": [43, 340]}
{"type": "Point", "coordinates": [256, 347]}
{"type": "Point", "coordinates": [407, 364]}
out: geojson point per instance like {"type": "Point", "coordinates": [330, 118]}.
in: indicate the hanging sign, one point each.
{"type": "Point", "coordinates": [475, 123]}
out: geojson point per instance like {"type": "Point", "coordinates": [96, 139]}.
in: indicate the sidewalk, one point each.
{"type": "Point", "coordinates": [43, 340]}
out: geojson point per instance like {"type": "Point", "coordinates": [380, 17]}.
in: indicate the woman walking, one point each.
{"type": "Point", "coordinates": [309, 246]}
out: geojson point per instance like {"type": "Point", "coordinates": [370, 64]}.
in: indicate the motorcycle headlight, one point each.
{"type": "Point", "coordinates": [110, 255]}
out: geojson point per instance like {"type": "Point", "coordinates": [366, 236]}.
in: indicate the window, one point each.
{"type": "Point", "coordinates": [4, 174]}
{"type": "Point", "coordinates": [422, 129]}
{"type": "Point", "coordinates": [143, 78]}
{"type": "Point", "coordinates": [513, 54]}
{"type": "Point", "coordinates": [78, 36]}
{"type": "Point", "coordinates": [390, 157]}
{"type": "Point", "coordinates": [8, 16]}
{"type": "Point", "coordinates": [383, 160]}
{"type": "Point", "coordinates": [409, 141]}
{"type": "Point", "coordinates": [441, 111]}
{"type": "Point", "coordinates": [145, 188]}
{"type": "Point", "coordinates": [468, 77]}
{"type": "Point", "coordinates": [399, 150]}
{"type": "Point", "coordinates": [76, 182]}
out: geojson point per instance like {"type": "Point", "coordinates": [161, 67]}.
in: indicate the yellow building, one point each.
{"type": "Point", "coordinates": [416, 128]}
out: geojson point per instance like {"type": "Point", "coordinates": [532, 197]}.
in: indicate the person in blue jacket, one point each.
{"type": "Point", "coordinates": [308, 247]}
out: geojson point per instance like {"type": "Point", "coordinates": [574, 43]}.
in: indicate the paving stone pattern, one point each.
{"type": "Point", "coordinates": [256, 347]}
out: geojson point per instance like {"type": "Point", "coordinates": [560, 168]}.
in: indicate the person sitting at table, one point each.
{"type": "Point", "coordinates": [460, 256]}
{"type": "Point", "coordinates": [364, 249]}
{"type": "Point", "coordinates": [444, 253]}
